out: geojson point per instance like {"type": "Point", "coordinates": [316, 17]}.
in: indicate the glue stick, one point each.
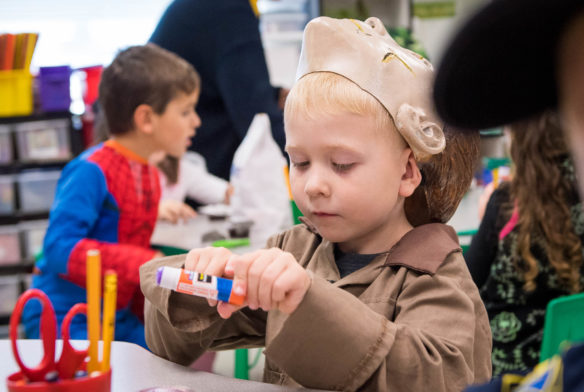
{"type": "Point", "coordinates": [194, 283]}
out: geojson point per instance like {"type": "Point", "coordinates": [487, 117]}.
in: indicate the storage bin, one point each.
{"type": "Point", "coordinates": [9, 292]}
{"type": "Point", "coordinates": [32, 234]}
{"type": "Point", "coordinates": [43, 140]}
{"type": "Point", "coordinates": [6, 195]}
{"type": "Point", "coordinates": [54, 88]}
{"type": "Point", "coordinates": [9, 245]}
{"type": "Point", "coordinates": [37, 190]}
{"type": "Point", "coordinates": [5, 144]}
{"type": "Point", "coordinates": [27, 281]}
{"type": "Point", "coordinates": [15, 93]}
{"type": "Point", "coordinates": [92, 79]}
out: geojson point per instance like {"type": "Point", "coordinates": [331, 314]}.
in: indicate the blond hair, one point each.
{"type": "Point", "coordinates": [329, 93]}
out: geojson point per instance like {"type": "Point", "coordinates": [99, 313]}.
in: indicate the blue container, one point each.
{"type": "Point", "coordinates": [54, 88]}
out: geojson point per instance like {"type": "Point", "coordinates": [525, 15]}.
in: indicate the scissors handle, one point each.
{"type": "Point", "coordinates": [48, 332]}
{"type": "Point", "coordinates": [71, 359]}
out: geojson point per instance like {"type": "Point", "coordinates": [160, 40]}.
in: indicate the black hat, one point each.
{"type": "Point", "coordinates": [501, 66]}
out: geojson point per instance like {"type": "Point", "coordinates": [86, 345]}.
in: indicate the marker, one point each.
{"type": "Point", "coordinates": [194, 283]}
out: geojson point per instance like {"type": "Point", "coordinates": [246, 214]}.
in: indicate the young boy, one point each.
{"type": "Point", "coordinates": [371, 293]}
{"type": "Point", "coordinates": [107, 198]}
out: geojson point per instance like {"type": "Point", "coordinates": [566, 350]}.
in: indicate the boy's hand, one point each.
{"type": "Point", "coordinates": [172, 211]}
{"type": "Point", "coordinates": [269, 278]}
{"type": "Point", "coordinates": [209, 261]}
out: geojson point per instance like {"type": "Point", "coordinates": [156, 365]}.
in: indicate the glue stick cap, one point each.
{"type": "Point", "coordinates": [159, 275]}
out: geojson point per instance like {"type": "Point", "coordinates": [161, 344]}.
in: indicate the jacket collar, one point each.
{"type": "Point", "coordinates": [438, 241]}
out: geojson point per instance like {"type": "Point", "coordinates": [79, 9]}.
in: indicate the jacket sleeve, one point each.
{"type": "Point", "coordinates": [419, 349]}
{"type": "Point", "coordinates": [79, 199]}
{"type": "Point", "coordinates": [181, 327]}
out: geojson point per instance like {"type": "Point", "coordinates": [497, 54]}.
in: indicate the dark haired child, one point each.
{"type": "Point", "coordinates": [107, 198]}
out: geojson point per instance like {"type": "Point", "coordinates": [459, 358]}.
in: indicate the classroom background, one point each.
{"type": "Point", "coordinates": [46, 102]}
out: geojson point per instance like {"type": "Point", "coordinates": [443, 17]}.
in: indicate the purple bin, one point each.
{"type": "Point", "coordinates": [54, 88]}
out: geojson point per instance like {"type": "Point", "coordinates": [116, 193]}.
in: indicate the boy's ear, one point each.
{"type": "Point", "coordinates": [412, 176]}
{"type": "Point", "coordinates": [144, 118]}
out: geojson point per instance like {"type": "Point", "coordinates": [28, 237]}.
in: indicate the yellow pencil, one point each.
{"type": "Point", "coordinates": [109, 316]}
{"type": "Point", "coordinates": [93, 307]}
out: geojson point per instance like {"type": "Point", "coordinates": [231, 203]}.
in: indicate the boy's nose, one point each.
{"type": "Point", "coordinates": [317, 184]}
{"type": "Point", "coordinates": [196, 121]}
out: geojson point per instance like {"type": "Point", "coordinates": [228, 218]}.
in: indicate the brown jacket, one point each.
{"type": "Point", "coordinates": [415, 324]}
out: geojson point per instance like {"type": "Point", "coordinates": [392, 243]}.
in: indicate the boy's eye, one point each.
{"type": "Point", "coordinates": [342, 167]}
{"type": "Point", "coordinates": [300, 164]}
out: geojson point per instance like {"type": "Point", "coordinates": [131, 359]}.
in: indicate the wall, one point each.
{"type": "Point", "coordinates": [81, 32]}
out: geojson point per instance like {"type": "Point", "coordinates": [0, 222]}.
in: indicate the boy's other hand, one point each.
{"type": "Point", "coordinates": [209, 261]}
{"type": "Point", "coordinates": [269, 278]}
{"type": "Point", "coordinates": [173, 210]}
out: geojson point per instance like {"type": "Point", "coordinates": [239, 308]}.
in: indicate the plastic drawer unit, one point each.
{"type": "Point", "coordinates": [9, 292]}
{"type": "Point", "coordinates": [6, 194]}
{"type": "Point", "coordinates": [5, 145]}
{"type": "Point", "coordinates": [46, 140]}
{"type": "Point", "coordinates": [37, 190]}
{"type": "Point", "coordinates": [32, 234]}
{"type": "Point", "coordinates": [9, 245]}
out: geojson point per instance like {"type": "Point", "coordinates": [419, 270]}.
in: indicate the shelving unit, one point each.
{"type": "Point", "coordinates": [33, 151]}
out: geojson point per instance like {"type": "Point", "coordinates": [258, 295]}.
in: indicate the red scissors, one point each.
{"type": "Point", "coordinates": [70, 360]}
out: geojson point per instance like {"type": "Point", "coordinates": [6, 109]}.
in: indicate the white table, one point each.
{"type": "Point", "coordinates": [135, 369]}
{"type": "Point", "coordinates": [188, 235]}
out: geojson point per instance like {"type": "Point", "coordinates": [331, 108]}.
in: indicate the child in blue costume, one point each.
{"type": "Point", "coordinates": [107, 198]}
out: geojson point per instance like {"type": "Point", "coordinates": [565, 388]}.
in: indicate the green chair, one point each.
{"type": "Point", "coordinates": [466, 233]}
{"type": "Point", "coordinates": [564, 322]}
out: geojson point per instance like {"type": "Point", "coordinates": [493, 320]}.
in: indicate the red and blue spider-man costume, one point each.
{"type": "Point", "coordinates": [106, 199]}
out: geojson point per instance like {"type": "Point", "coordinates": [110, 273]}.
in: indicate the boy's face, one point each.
{"type": "Point", "coordinates": [346, 177]}
{"type": "Point", "coordinates": [174, 128]}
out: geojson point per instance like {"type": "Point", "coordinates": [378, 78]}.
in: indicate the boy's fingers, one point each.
{"type": "Point", "coordinates": [267, 280]}
{"type": "Point", "coordinates": [254, 274]}
{"type": "Point", "coordinates": [228, 272]}
{"type": "Point", "coordinates": [225, 309]}
{"type": "Point", "coordinates": [289, 289]}
{"type": "Point", "coordinates": [238, 266]}
{"type": "Point", "coordinates": [190, 211]}
{"type": "Point", "coordinates": [217, 261]}
{"type": "Point", "coordinates": [192, 259]}
{"type": "Point", "coordinates": [186, 212]}
{"type": "Point", "coordinates": [210, 261]}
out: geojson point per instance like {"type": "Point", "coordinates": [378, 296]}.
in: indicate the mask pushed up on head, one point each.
{"type": "Point", "coordinates": [401, 81]}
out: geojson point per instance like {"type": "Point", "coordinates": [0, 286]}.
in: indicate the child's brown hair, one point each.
{"type": "Point", "coordinates": [145, 74]}
{"type": "Point", "coordinates": [542, 161]}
